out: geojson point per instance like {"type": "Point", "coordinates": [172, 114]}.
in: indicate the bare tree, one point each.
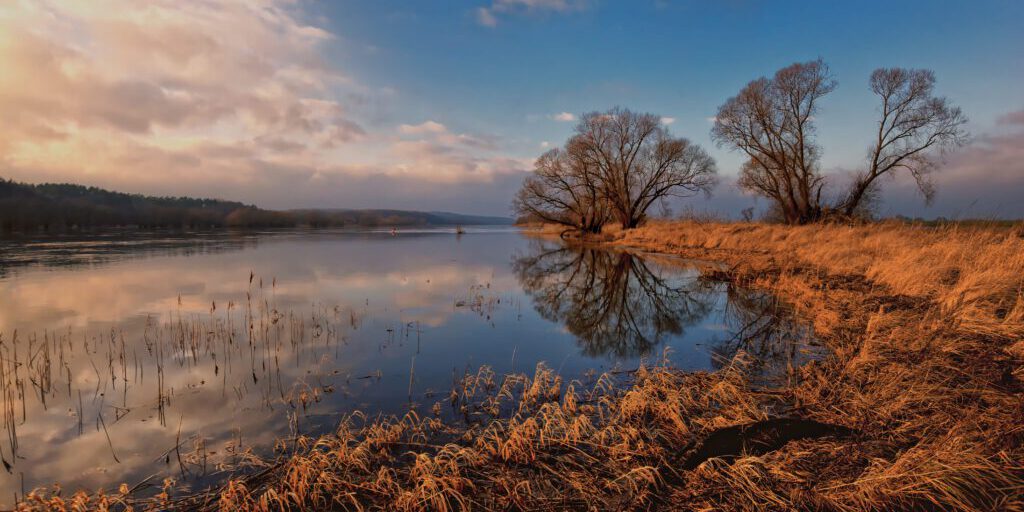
{"type": "Point", "coordinates": [618, 164]}
{"type": "Point", "coordinates": [914, 126]}
{"type": "Point", "coordinates": [771, 121]}
{"type": "Point", "coordinates": [639, 162]}
{"type": "Point", "coordinates": [563, 191]}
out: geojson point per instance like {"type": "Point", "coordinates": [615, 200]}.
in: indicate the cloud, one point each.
{"type": "Point", "coordinates": [422, 128]}
{"type": "Point", "coordinates": [92, 82]}
{"type": "Point", "coordinates": [219, 98]}
{"type": "Point", "coordinates": [374, 188]}
{"type": "Point", "coordinates": [442, 163]}
{"type": "Point", "coordinates": [126, 69]}
{"type": "Point", "coordinates": [984, 179]}
{"type": "Point", "coordinates": [1012, 118]}
{"type": "Point", "coordinates": [565, 117]}
{"type": "Point", "coordinates": [485, 17]}
{"type": "Point", "coordinates": [488, 16]}
{"type": "Point", "coordinates": [667, 120]}
{"type": "Point", "coordinates": [440, 133]}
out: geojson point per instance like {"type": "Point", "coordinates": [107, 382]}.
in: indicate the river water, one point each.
{"type": "Point", "coordinates": [127, 356]}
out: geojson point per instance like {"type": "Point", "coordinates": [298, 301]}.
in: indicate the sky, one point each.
{"type": "Point", "coordinates": [445, 105]}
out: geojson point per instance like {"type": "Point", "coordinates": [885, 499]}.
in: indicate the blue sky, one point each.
{"type": "Point", "coordinates": [680, 59]}
{"type": "Point", "coordinates": [445, 104]}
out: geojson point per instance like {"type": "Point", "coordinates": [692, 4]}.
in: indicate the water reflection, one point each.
{"type": "Point", "coordinates": [620, 305]}
{"type": "Point", "coordinates": [613, 302]}
{"type": "Point", "coordinates": [70, 250]}
{"type": "Point", "coordinates": [122, 348]}
{"type": "Point", "coordinates": [759, 325]}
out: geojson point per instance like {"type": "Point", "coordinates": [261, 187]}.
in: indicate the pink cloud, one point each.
{"type": "Point", "coordinates": [984, 179]}
{"type": "Point", "coordinates": [192, 98]}
{"type": "Point", "coordinates": [488, 16]}
{"type": "Point", "coordinates": [1012, 118]}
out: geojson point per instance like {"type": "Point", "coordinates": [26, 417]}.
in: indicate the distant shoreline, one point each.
{"type": "Point", "coordinates": [136, 231]}
{"type": "Point", "coordinates": [62, 207]}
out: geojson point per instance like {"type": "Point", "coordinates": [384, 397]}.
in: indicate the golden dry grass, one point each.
{"type": "Point", "coordinates": [926, 331]}
{"type": "Point", "coordinates": [926, 326]}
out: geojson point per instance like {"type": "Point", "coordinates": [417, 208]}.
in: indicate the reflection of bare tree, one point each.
{"type": "Point", "coordinates": [611, 301]}
{"type": "Point", "coordinates": [758, 325]}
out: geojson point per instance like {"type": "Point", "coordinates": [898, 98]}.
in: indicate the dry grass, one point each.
{"type": "Point", "coordinates": [926, 329]}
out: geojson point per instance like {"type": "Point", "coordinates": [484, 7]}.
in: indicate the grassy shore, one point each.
{"type": "Point", "coordinates": [926, 332]}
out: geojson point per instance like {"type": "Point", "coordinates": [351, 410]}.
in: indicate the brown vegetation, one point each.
{"type": "Point", "coordinates": [926, 332]}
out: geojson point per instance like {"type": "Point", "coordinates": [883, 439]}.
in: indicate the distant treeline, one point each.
{"type": "Point", "coordinates": [65, 207]}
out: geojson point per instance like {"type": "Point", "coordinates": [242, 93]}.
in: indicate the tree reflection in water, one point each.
{"type": "Point", "coordinates": [613, 302]}
{"type": "Point", "coordinates": [618, 305]}
{"type": "Point", "coordinates": [759, 325]}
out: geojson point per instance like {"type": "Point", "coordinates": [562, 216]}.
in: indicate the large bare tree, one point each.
{"type": "Point", "coordinates": [771, 121]}
{"type": "Point", "coordinates": [562, 190]}
{"type": "Point", "coordinates": [639, 162]}
{"type": "Point", "coordinates": [915, 127]}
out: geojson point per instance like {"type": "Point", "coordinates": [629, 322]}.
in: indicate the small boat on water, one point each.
{"type": "Point", "coordinates": [459, 230]}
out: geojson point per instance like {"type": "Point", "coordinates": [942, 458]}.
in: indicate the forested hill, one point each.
{"type": "Point", "coordinates": [370, 218]}
{"type": "Point", "coordinates": [61, 207]}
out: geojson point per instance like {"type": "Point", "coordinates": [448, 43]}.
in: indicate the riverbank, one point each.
{"type": "Point", "coordinates": [926, 327]}
{"type": "Point", "coordinates": [923, 389]}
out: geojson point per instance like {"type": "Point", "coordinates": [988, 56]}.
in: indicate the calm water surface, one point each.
{"type": "Point", "coordinates": [115, 348]}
